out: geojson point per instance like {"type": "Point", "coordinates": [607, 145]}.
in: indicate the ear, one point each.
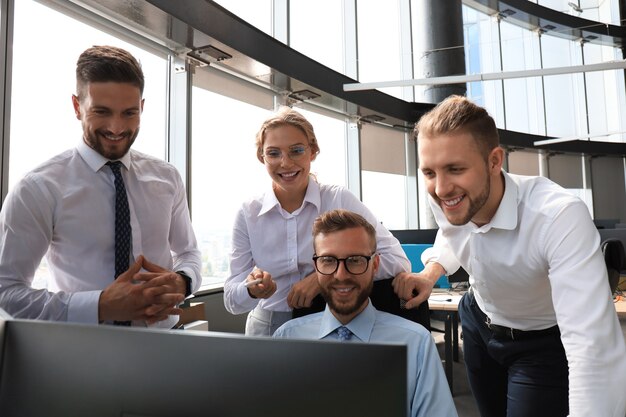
{"type": "Point", "coordinates": [496, 160]}
{"type": "Point", "coordinates": [142, 101]}
{"type": "Point", "coordinates": [375, 262]}
{"type": "Point", "coordinates": [76, 104]}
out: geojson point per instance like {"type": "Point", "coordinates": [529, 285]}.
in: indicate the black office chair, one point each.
{"type": "Point", "coordinates": [615, 259]}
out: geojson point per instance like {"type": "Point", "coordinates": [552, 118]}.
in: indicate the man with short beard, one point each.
{"type": "Point", "coordinates": [114, 222]}
{"type": "Point", "coordinates": [540, 334]}
{"type": "Point", "coordinates": [346, 261]}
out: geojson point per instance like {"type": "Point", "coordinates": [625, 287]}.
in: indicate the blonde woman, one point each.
{"type": "Point", "coordinates": [272, 271]}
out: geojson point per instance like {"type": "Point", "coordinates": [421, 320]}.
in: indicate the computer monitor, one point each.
{"type": "Point", "coordinates": [414, 241]}
{"type": "Point", "coordinates": [415, 235]}
{"type": "Point", "coordinates": [62, 369]}
{"type": "Point", "coordinates": [605, 223]}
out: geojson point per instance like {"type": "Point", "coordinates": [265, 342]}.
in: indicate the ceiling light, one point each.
{"type": "Point", "coordinates": [304, 95]}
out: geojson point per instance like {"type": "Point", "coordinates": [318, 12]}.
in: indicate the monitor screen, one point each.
{"type": "Point", "coordinates": [61, 369]}
{"type": "Point", "coordinates": [415, 235]}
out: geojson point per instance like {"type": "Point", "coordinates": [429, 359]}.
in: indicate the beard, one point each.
{"type": "Point", "coordinates": [345, 309]}
{"type": "Point", "coordinates": [475, 203]}
{"type": "Point", "coordinates": [95, 140]}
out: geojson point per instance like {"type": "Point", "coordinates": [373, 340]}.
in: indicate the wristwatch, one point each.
{"type": "Point", "coordinates": [188, 282]}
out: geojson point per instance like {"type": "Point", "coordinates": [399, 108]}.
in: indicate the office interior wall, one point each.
{"type": "Point", "coordinates": [219, 319]}
{"type": "Point", "coordinates": [566, 170]}
{"type": "Point", "coordinates": [609, 188]}
{"type": "Point", "coordinates": [523, 163]}
{"type": "Point", "coordinates": [382, 150]}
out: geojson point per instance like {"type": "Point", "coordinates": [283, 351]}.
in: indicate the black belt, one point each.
{"type": "Point", "coordinates": [508, 333]}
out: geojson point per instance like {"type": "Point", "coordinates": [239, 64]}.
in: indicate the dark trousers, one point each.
{"type": "Point", "coordinates": [525, 377]}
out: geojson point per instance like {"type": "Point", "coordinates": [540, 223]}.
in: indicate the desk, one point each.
{"type": "Point", "coordinates": [448, 302]}
{"type": "Point", "coordinates": [620, 307]}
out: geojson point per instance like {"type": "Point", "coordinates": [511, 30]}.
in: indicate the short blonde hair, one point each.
{"type": "Point", "coordinates": [458, 114]}
{"type": "Point", "coordinates": [286, 116]}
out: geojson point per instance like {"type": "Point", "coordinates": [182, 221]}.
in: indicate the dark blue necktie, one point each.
{"type": "Point", "coordinates": [123, 232]}
{"type": "Point", "coordinates": [344, 333]}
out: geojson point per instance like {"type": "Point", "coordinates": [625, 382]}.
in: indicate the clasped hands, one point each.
{"type": "Point", "coordinates": [150, 295]}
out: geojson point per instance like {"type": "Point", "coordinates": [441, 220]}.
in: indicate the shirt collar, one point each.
{"type": "Point", "coordinates": [361, 326]}
{"type": "Point", "coordinates": [97, 161]}
{"type": "Point", "coordinates": [312, 196]}
{"type": "Point", "coordinates": [506, 215]}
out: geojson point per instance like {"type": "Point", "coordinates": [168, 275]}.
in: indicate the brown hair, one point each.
{"type": "Point", "coordinates": [286, 116]}
{"type": "Point", "coordinates": [456, 114]}
{"type": "Point", "coordinates": [105, 64]}
{"type": "Point", "coordinates": [339, 219]}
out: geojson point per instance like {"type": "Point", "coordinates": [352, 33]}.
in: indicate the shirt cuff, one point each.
{"type": "Point", "coordinates": [168, 323]}
{"type": "Point", "coordinates": [83, 307]}
{"type": "Point", "coordinates": [245, 300]}
{"type": "Point", "coordinates": [446, 259]}
{"type": "Point", "coordinates": [195, 281]}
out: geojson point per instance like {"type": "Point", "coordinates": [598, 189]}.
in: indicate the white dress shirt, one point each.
{"type": "Point", "coordinates": [538, 263]}
{"type": "Point", "coordinates": [65, 209]}
{"type": "Point", "coordinates": [428, 391]}
{"type": "Point", "coordinates": [269, 238]}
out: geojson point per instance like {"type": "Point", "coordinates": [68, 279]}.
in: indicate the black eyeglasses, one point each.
{"type": "Point", "coordinates": [355, 264]}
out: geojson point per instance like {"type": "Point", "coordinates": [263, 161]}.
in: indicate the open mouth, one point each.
{"type": "Point", "coordinates": [289, 175]}
{"type": "Point", "coordinates": [343, 291]}
{"type": "Point", "coordinates": [452, 203]}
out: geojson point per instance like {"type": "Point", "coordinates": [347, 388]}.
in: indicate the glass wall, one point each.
{"type": "Point", "coordinates": [379, 47]}
{"type": "Point", "coordinates": [258, 12]}
{"type": "Point", "coordinates": [225, 172]}
{"type": "Point", "coordinates": [482, 55]}
{"type": "Point", "coordinates": [326, 47]}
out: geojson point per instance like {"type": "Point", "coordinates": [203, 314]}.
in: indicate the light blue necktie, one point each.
{"type": "Point", "coordinates": [344, 333]}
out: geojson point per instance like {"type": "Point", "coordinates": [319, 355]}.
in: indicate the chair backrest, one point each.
{"type": "Point", "coordinates": [615, 259]}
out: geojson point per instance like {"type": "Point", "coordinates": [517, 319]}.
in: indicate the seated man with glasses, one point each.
{"type": "Point", "coordinates": [346, 261]}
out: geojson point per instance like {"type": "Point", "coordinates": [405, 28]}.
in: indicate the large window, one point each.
{"type": "Point", "coordinates": [258, 12]}
{"type": "Point", "coordinates": [43, 123]}
{"type": "Point", "coordinates": [482, 55]}
{"type": "Point", "coordinates": [326, 47]}
{"type": "Point", "coordinates": [379, 43]}
{"type": "Point", "coordinates": [383, 175]}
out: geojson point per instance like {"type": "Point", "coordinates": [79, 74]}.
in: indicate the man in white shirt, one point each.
{"type": "Point", "coordinates": [540, 333]}
{"type": "Point", "coordinates": [346, 262]}
{"type": "Point", "coordinates": [69, 208]}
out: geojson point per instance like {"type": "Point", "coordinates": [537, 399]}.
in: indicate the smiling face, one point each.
{"type": "Point", "coordinates": [110, 114]}
{"type": "Point", "coordinates": [290, 171]}
{"type": "Point", "coordinates": [346, 294]}
{"type": "Point", "coordinates": [464, 184]}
